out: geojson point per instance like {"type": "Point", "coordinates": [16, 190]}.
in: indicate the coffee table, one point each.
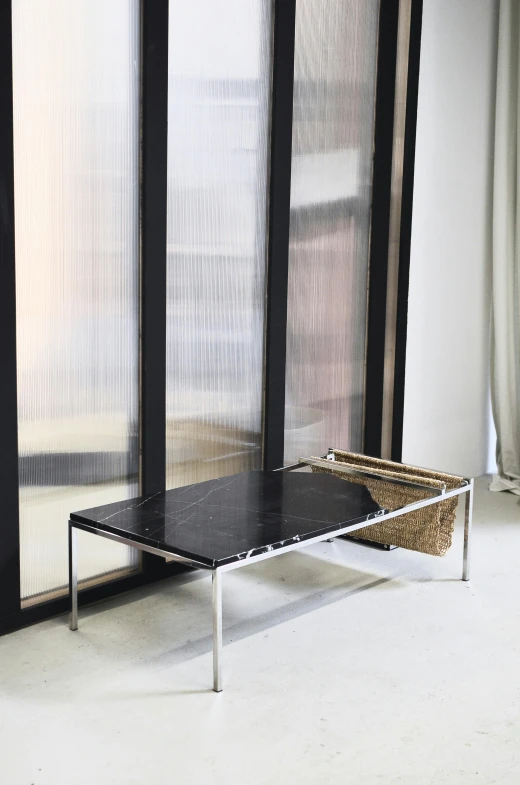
{"type": "Point", "coordinates": [225, 524]}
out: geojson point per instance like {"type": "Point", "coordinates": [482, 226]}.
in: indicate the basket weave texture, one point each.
{"type": "Point", "coordinates": [429, 529]}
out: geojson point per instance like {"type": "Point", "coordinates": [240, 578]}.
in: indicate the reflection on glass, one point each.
{"type": "Point", "coordinates": [335, 68]}
{"type": "Point", "coordinates": [76, 198]}
{"type": "Point", "coordinates": [219, 75]}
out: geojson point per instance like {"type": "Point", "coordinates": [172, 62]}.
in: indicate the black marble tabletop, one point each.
{"type": "Point", "coordinates": [234, 518]}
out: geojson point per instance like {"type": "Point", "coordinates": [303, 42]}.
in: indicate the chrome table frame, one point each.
{"type": "Point", "coordinates": [467, 487]}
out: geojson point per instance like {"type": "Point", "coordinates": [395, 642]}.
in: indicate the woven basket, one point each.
{"type": "Point", "coordinates": [429, 529]}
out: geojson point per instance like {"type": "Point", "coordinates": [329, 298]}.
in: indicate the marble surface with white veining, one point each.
{"type": "Point", "coordinates": [235, 518]}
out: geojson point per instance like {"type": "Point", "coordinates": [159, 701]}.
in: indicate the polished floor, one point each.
{"type": "Point", "coordinates": [342, 665]}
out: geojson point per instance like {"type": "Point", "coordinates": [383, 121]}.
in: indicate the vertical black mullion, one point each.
{"type": "Point", "coordinates": [380, 224]}
{"type": "Point", "coordinates": [154, 142]}
{"type": "Point", "coordinates": [414, 58]}
{"type": "Point", "coordinates": [278, 240]}
{"type": "Point", "coordinates": [9, 522]}
{"type": "Point", "coordinates": [154, 120]}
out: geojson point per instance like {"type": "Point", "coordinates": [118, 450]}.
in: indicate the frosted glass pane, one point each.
{"type": "Point", "coordinates": [76, 137]}
{"type": "Point", "coordinates": [335, 68]}
{"type": "Point", "coordinates": [219, 80]}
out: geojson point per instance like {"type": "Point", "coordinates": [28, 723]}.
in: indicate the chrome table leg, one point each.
{"type": "Point", "coordinates": [468, 521]}
{"type": "Point", "coordinates": [216, 578]}
{"type": "Point", "coordinates": [73, 576]}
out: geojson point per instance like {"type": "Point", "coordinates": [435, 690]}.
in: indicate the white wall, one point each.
{"type": "Point", "coordinates": [447, 420]}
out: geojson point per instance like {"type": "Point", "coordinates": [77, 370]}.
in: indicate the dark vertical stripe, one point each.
{"type": "Point", "coordinates": [154, 150]}
{"type": "Point", "coordinates": [278, 241]}
{"type": "Point", "coordinates": [380, 224]}
{"type": "Point", "coordinates": [406, 226]}
{"type": "Point", "coordinates": [154, 142]}
{"type": "Point", "coordinates": [9, 526]}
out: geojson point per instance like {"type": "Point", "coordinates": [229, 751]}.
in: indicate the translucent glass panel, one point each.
{"type": "Point", "coordinates": [218, 122]}
{"type": "Point", "coordinates": [76, 135]}
{"type": "Point", "coordinates": [335, 69]}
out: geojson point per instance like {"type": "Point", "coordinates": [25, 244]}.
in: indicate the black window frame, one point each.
{"type": "Point", "coordinates": [153, 200]}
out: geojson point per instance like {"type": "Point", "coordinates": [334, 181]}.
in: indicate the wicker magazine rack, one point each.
{"type": "Point", "coordinates": [428, 529]}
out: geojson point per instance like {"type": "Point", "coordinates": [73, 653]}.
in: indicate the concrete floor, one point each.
{"type": "Point", "coordinates": [342, 665]}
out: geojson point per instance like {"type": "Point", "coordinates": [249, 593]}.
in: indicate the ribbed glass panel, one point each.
{"type": "Point", "coordinates": [76, 134]}
{"type": "Point", "coordinates": [335, 69]}
{"type": "Point", "coordinates": [219, 78]}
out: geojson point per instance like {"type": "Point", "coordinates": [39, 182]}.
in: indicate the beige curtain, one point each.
{"type": "Point", "coordinates": [505, 359]}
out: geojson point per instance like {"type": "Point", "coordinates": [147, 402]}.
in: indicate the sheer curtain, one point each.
{"type": "Point", "coordinates": [505, 359]}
